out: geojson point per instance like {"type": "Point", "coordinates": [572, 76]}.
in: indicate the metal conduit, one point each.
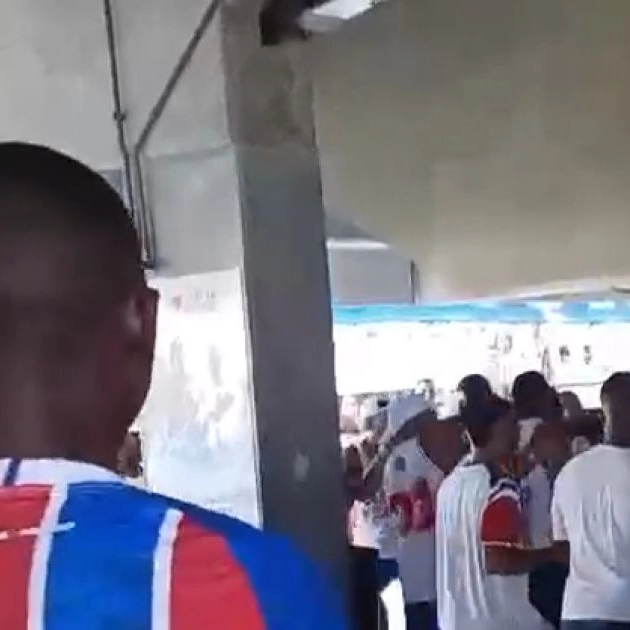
{"type": "Point", "coordinates": [119, 114]}
{"type": "Point", "coordinates": [153, 119]}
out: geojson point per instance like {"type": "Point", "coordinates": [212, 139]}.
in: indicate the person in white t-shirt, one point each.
{"type": "Point", "coordinates": [413, 474]}
{"type": "Point", "coordinates": [539, 413]}
{"type": "Point", "coordinates": [591, 512]}
{"type": "Point", "coordinates": [481, 533]}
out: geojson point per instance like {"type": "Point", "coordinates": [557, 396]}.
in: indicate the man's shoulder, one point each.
{"type": "Point", "coordinates": [120, 506]}
{"type": "Point", "coordinates": [264, 567]}
{"type": "Point", "coordinates": [141, 504]}
{"type": "Point", "coordinates": [464, 478]}
{"type": "Point", "coordinates": [580, 466]}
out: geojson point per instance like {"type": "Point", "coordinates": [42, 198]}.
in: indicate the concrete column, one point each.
{"type": "Point", "coordinates": [288, 300]}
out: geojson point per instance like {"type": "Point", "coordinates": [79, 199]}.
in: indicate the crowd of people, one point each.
{"type": "Point", "coordinates": [511, 514]}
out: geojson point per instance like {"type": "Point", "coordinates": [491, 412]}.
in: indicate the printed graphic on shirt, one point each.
{"type": "Point", "coordinates": [416, 508]}
{"type": "Point", "coordinates": [503, 522]}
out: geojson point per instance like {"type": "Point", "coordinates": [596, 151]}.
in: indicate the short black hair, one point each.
{"type": "Point", "coordinates": [617, 385]}
{"type": "Point", "coordinates": [68, 248]}
{"type": "Point", "coordinates": [528, 387]}
{"type": "Point", "coordinates": [478, 420]}
{"type": "Point", "coordinates": [47, 193]}
{"type": "Point", "coordinates": [475, 387]}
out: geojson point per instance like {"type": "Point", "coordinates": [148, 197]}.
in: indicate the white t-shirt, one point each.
{"type": "Point", "coordinates": [363, 530]}
{"type": "Point", "coordinates": [538, 507]}
{"type": "Point", "coordinates": [538, 492]}
{"type": "Point", "coordinates": [411, 482]}
{"type": "Point", "coordinates": [469, 510]}
{"type": "Point", "coordinates": [373, 527]}
{"type": "Point", "coordinates": [591, 510]}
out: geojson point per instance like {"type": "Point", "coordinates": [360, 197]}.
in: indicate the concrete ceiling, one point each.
{"type": "Point", "coordinates": [487, 140]}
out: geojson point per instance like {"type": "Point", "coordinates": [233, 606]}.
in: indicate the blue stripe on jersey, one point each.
{"type": "Point", "coordinates": [291, 592]}
{"type": "Point", "coordinates": [506, 484]}
{"type": "Point", "coordinates": [112, 544]}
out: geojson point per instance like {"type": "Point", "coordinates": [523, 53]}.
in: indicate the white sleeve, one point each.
{"type": "Point", "coordinates": [558, 524]}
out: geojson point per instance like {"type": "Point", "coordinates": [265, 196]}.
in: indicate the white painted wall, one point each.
{"type": "Point", "coordinates": [490, 140]}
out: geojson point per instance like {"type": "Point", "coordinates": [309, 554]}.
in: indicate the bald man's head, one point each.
{"type": "Point", "coordinates": [76, 317]}
{"type": "Point", "coordinates": [64, 232]}
{"type": "Point", "coordinates": [615, 397]}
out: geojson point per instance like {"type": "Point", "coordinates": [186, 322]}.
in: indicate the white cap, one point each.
{"type": "Point", "coordinates": [401, 410]}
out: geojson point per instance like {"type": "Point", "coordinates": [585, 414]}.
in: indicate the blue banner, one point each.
{"type": "Point", "coordinates": [596, 312]}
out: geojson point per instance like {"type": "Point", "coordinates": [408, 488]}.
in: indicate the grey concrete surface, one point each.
{"type": "Point", "coordinates": [361, 277]}
{"type": "Point", "coordinates": [488, 140]}
{"type": "Point", "coordinates": [271, 123]}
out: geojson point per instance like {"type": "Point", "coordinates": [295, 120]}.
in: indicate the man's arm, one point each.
{"type": "Point", "coordinates": [514, 560]}
{"type": "Point", "coordinates": [503, 533]}
{"type": "Point", "coordinates": [562, 550]}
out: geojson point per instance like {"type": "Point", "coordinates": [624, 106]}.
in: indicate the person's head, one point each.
{"type": "Point", "coordinates": [571, 405]}
{"type": "Point", "coordinates": [551, 445]}
{"type": "Point", "coordinates": [443, 442]}
{"type": "Point", "coordinates": [615, 398]}
{"type": "Point", "coordinates": [77, 320]}
{"type": "Point", "coordinates": [130, 456]}
{"type": "Point", "coordinates": [492, 429]}
{"type": "Point", "coordinates": [533, 397]}
{"type": "Point", "coordinates": [475, 390]}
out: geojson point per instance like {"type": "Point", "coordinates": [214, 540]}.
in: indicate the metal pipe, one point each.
{"type": "Point", "coordinates": [414, 277]}
{"type": "Point", "coordinates": [119, 112]}
{"type": "Point", "coordinates": [154, 117]}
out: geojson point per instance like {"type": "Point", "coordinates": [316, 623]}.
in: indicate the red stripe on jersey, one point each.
{"type": "Point", "coordinates": [502, 523]}
{"type": "Point", "coordinates": [21, 509]}
{"type": "Point", "coordinates": [209, 589]}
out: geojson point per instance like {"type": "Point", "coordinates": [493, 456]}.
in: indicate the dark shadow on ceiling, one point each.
{"type": "Point", "coordinates": [279, 20]}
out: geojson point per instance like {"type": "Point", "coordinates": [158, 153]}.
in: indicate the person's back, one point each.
{"type": "Point", "coordinates": [99, 553]}
{"type": "Point", "coordinates": [590, 515]}
{"type": "Point", "coordinates": [592, 512]}
{"type": "Point", "coordinates": [468, 597]}
{"type": "Point", "coordinates": [78, 547]}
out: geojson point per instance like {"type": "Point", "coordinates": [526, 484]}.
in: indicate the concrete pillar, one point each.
{"type": "Point", "coordinates": [269, 104]}
{"type": "Point", "coordinates": [255, 202]}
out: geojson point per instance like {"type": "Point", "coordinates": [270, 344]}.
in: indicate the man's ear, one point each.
{"type": "Point", "coordinates": [140, 318]}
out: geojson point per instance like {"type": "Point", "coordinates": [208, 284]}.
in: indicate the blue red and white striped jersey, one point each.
{"type": "Point", "coordinates": [503, 521]}
{"type": "Point", "coordinates": [99, 554]}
